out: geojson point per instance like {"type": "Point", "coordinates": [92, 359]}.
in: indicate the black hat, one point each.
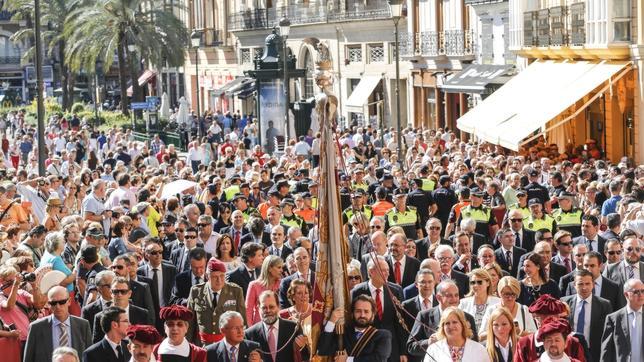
{"type": "Point", "coordinates": [418, 182]}
{"type": "Point", "coordinates": [465, 192]}
{"type": "Point", "coordinates": [282, 183]}
{"type": "Point", "coordinates": [274, 193]}
{"type": "Point", "coordinates": [533, 172]}
{"type": "Point", "coordinates": [566, 195]}
{"type": "Point", "coordinates": [521, 192]}
{"type": "Point", "coordinates": [89, 253]}
{"type": "Point", "coordinates": [477, 192]}
{"type": "Point", "coordinates": [399, 192]}
{"type": "Point", "coordinates": [239, 196]}
{"type": "Point", "coordinates": [306, 195]}
{"type": "Point", "coordinates": [244, 185]}
{"type": "Point", "coordinates": [358, 193]}
{"type": "Point", "coordinates": [387, 176]}
{"type": "Point", "coordinates": [443, 179]}
{"type": "Point", "coordinates": [169, 219]}
{"type": "Point", "coordinates": [534, 201]}
{"type": "Point", "coordinates": [278, 176]}
{"type": "Point", "coordinates": [288, 201]}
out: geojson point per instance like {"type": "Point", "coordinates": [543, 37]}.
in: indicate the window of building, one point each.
{"type": "Point", "coordinates": [376, 53]}
{"type": "Point", "coordinates": [258, 52]}
{"type": "Point", "coordinates": [245, 56]}
{"type": "Point", "coordinates": [621, 20]}
{"type": "Point", "coordinates": [309, 82]}
{"type": "Point", "coordinates": [354, 53]}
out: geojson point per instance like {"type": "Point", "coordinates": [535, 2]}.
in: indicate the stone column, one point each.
{"type": "Point", "coordinates": [637, 54]}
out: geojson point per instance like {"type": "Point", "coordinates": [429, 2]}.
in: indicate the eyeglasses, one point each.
{"type": "Point", "coordinates": [637, 292]}
{"type": "Point", "coordinates": [631, 249]}
{"type": "Point", "coordinates": [203, 225]}
{"type": "Point", "coordinates": [181, 230]}
{"type": "Point", "coordinates": [548, 239]}
{"type": "Point", "coordinates": [565, 244]}
{"type": "Point", "coordinates": [354, 277]}
{"type": "Point", "coordinates": [155, 252]}
{"type": "Point", "coordinates": [434, 228]}
{"type": "Point", "coordinates": [376, 227]}
{"type": "Point", "coordinates": [120, 291]}
{"type": "Point", "coordinates": [476, 282]}
{"type": "Point", "coordinates": [508, 295]}
{"type": "Point", "coordinates": [118, 267]}
{"type": "Point", "coordinates": [613, 252]}
{"type": "Point", "coordinates": [190, 236]}
{"type": "Point", "coordinates": [444, 258]}
{"type": "Point", "coordinates": [516, 220]}
{"type": "Point", "coordinates": [58, 302]}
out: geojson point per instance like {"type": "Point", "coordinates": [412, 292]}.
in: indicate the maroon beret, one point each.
{"type": "Point", "coordinates": [175, 312]}
{"type": "Point", "coordinates": [144, 334]}
{"type": "Point", "coordinates": [553, 325]}
{"type": "Point", "coordinates": [215, 265]}
{"type": "Point", "coordinates": [547, 305]}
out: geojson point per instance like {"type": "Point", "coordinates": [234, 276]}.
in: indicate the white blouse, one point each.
{"type": "Point", "coordinates": [523, 318]}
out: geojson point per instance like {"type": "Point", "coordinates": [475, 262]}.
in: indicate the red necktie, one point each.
{"type": "Point", "coordinates": [567, 265]}
{"type": "Point", "coordinates": [237, 240]}
{"type": "Point", "coordinates": [378, 304]}
{"type": "Point", "coordinates": [426, 303]}
{"type": "Point", "coordinates": [397, 273]}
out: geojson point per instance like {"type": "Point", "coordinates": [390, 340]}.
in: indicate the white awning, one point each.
{"type": "Point", "coordinates": [535, 96]}
{"type": "Point", "coordinates": [361, 93]}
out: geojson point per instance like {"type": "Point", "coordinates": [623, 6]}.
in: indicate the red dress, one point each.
{"type": "Point", "coordinates": [526, 351]}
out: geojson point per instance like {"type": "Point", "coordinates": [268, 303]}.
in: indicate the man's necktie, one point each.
{"type": "Point", "coordinates": [517, 240]}
{"type": "Point", "coordinates": [272, 342]}
{"type": "Point", "coordinates": [466, 268]}
{"type": "Point", "coordinates": [631, 272]}
{"type": "Point", "coordinates": [379, 304]}
{"type": "Point", "coordinates": [237, 238]}
{"type": "Point", "coordinates": [590, 244]}
{"type": "Point", "coordinates": [155, 288]}
{"type": "Point", "coordinates": [358, 335]}
{"type": "Point", "coordinates": [508, 258]}
{"type": "Point", "coordinates": [197, 280]}
{"type": "Point", "coordinates": [119, 353]}
{"type": "Point", "coordinates": [233, 356]}
{"type": "Point", "coordinates": [214, 300]}
{"type": "Point", "coordinates": [567, 265]}
{"type": "Point", "coordinates": [397, 273]}
{"type": "Point", "coordinates": [426, 304]}
{"type": "Point", "coordinates": [444, 277]}
{"type": "Point", "coordinates": [63, 338]}
{"type": "Point", "coordinates": [636, 338]}
{"type": "Point", "coordinates": [581, 318]}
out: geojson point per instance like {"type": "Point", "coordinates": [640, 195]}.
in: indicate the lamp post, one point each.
{"type": "Point", "coordinates": [42, 151]}
{"type": "Point", "coordinates": [195, 41]}
{"type": "Point", "coordinates": [396, 7]}
{"type": "Point", "coordinates": [285, 28]}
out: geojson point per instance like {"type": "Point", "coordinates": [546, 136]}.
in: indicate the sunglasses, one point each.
{"type": "Point", "coordinates": [354, 277]}
{"type": "Point", "coordinates": [630, 250]}
{"type": "Point", "coordinates": [119, 267]}
{"type": "Point", "coordinates": [508, 295]}
{"type": "Point", "coordinates": [376, 227]}
{"type": "Point", "coordinates": [181, 230]}
{"type": "Point", "coordinates": [155, 252]}
{"type": "Point", "coordinates": [434, 228]}
{"type": "Point", "coordinates": [58, 302]}
{"type": "Point", "coordinates": [203, 225]}
{"type": "Point", "coordinates": [191, 236]}
{"type": "Point", "coordinates": [565, 244]}
{"type": "Point", "coordinates": [516, 220]}
{"type": "Point", "coordinates": [613, 252]}
{"type": "Point", "coordinates": [476, 282]}
{"type": "Point", "coordinates": [120, 291]}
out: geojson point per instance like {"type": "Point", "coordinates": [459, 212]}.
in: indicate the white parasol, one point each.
{"type": "Point", "coordinates": [176, 187]}
{"type": "Point", "coordinates": [164, 112]}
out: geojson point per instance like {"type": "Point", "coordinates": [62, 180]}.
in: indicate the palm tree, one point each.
{"type": "Point", "coordinates": [53, 13]}
{"type": "Point", "coordinates": [101, 28]}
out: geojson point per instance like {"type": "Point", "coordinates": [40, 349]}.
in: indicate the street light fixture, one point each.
{"type": "Point", "coordinates": [195, 41]}
{"type": "Point", "coordinates": [396, 7]}
{"type": "Point", "coordinates": [285, 29]}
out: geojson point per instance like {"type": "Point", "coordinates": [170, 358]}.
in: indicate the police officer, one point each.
{"type": "Point", "coordinates": [357, 206]}
{"type": "Point", "coordinates": [485, 221]}
{"type": "Point", "coordinates": [230, 191]}
{"type": "Point", "coordinates": [568, 217]}
{"type": "Point", "coordinates": [422, 201]}
{"type": "Point", "coordinates": [358, 179]}
{"type": "Point", "coordinates": [521, 205]}
{"type": "Point", "coordinates": [345, 192]}
{"type": "Point", "coordinates": [241, 203]}
{"type": "Point", "coordinates": [404, 216]}
{"type": "Point", "coordinates": [428, 185]}
{"type": "Point", "coordinates": [290, 219]}
{"type": "Point", "coordinates": [538, 219]}
{"type": "Point", "coordinates": [536, 190]}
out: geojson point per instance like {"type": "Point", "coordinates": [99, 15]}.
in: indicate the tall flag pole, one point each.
{"type": "Point", "coordinates": [331, 288]}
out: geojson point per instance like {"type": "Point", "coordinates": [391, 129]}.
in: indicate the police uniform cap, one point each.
{"type": "Point", "coordinates": [169, 219]}
{"type": "Point", "coordinates": [521, 192]}
{"type": "Point", "coordinates": [443, 179]}
{"type": "Point", "coordinates": [566, 195]}
{"type": "Point", "coordinates": [239, 196]}
{"type": "Point", "coordinates": [399, 193]}
{"type": "Point", "coordinates": [477, 192]}
{"type": "Point", "coordinates": [386, 177]}
{"type": "Point", "coordinates": [282, 183]}
{"type": "Point", "coordinates": [274, 193]}
{"type": "Point", "coordinates": [534, 202]}
{"type": "Point", "coordinates": [533, 173]}
{"type": "Point", "coordinates": [287, 201]}
{"type": "Point", "coordinates": [306, 195]}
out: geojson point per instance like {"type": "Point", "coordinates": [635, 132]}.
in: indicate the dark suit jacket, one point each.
{"type": "Point", "coordinates": [461, 269]}
{"type": "Point", "coordinates": [559, 260]}
{"type": "Point", "coordinates": [240, 277]}
{"type": "Point", "coordinates": [364, 260]}
{"type": "Point", "coordinates": [462, 282]}
{"type": "Point", "coordinates": [477, 241]}
{"type": "Point", "coordinates": [286, 330]}
{"type": "Point", "coordinates": [422, 247]}
{"type": "Point", "coordinates": [425, 325]}
{"type": "Point", "coordinates": [286, 283]}
{"type": "Point", "coordinates": [599, 310]}
{"type": "Point", "coordinates": [286, 251]}
{"type": "Point", "coordinates": [39, 345]}
{"type": "Point", "coordinates": [517, 253]}
{"type": "Point", "coordinates": [248, 238]}
{"type": "Point", "coordinates": [136, 315]}
{"type": "Point", "coordinates": [377, 350]}
{"type": "Point", "coordinates": [389, 320]}
{"type": "Point", "coordinates": [89, 311]}
{"type": "Point", "coordinates": [600, 244]}
{"type": "Point", "coordinates": [412, 265]}
{"type": "Point", "coordinates": [413, 306]}
{"type": "Point", "coordinates": [526, 242]}
{"type": "Point", "coordinates": [216, 352]}
{"type": "Point", "coordinates": [142, 297]}
{"type": "Point", "coordinates": [610, 291]}
{"type": "Point", "coordinates": [617, 272]}
{"type": "Point", "coordinates": [168, 274]}
{"type": "Point", "coordinates": [229, 231]}
{"type": "Point", "coordinates": [101, 351]}
{"type": "Point", "coordinates": [177, 256]}
{"type": "Point", "coordinates": [616, 339]}
{"type": "Point", "coordinates": [181, 289]}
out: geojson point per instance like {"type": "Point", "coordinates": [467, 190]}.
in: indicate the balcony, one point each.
{"type": "Point", "coordinates": [433, 44]}
{"type": "Point", "coordinates": [213, 38]}
{"type": "Point", "coordinates": [304, 14]}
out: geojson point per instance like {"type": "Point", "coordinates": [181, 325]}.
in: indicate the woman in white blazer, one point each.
{"type": "Point", "coordinates": [509, 289]}
{"type": "Point", "coordinates": [479, 299]}
{"type": "Point", "coordinates": [454, 343]}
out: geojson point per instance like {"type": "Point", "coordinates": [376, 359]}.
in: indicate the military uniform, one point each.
{"type": "Point", "coordinates": [483, 216]}
{"type": "Point", "coordinates": [569, 220]}
{"type": "Point", "coordinates": [409, 220]}
{"type": "Point", "coordinates": [532, 224]}
{"type": "Point", "coordinates": [207, 312]}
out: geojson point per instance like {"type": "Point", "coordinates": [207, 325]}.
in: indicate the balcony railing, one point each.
{"type": "Point", "coordinates": [555, 26]}
{"type": "Point", "coordinates": [543, 27]}
{"type": "Point", "coordinates": [451, 43]}
{"type": "Point", "coordinates": [430, 43]}
{"type": "Point", "coordinates": [577, 24]}
{"type": "Point", "coordinates": [305, 14]}
{"type": "Point", "coordinates": [458, 42]}
{"type": "Point", "coordinates": [407, 42]}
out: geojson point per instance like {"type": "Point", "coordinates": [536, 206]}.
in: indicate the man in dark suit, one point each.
{"type": "Point", "coordinates": [403, 268]}
{"type": "Point", "coordinates": [465, 262]}
{"type": "Point", "coordinates": [121, 294]}
{"type": "Point", "coordinates": [180, 257]}
{"type": "Point", "coordinates": [273, 339]}
{"type": "Point", "coordinates": [361, 341]}
{"type": "Point", "coordinates": [273, 218]}
{"type": "Point", "coordinates": [304, 272]}
{"type": "Point", "coordinates": [554, 271]}
{"type": "Point", "coordinates": [103, 282]}
{"type": "Point", "coordinates": [278, 247]}
{"type": "Point", "coordinates": [603, 287]}
{"type": "Point", "coordinates": [193, 276]}
{"type": "Point", "coordinates": [629, 268]}
{"type": "Point", "coordinates": [587, 312]}
{"type": "Point", "coordinates": [426, 324]}
{"type": "Point", "coordinates": [578, 252]}
{"type": "Point", "coordinates": [564, 256]}
{"type": "Point", "coordinates": [252, 256]}
{"type": "Point", "coordinates": [621, 331]}
{"type": "Point", "coordinates": [385, 318]}
{"type": "Point", "coordinates": [46, 334]}
{"type": "Point", "coordinates": [433, 228]}
{"type": "Point", "coordinates": [422, 302]}
{"type": "Point", "coordinates": [161, 276]}
{"type": "Point", "coordinates": [523, 238]}
{"type": "Point", "coordinates": [589, 234]}
{"type": "Point", "coordinates": [378, 247]}
{"type": "Point", "coordinates": [508, 255]}
{"type": "Point", "coordinates": [445, 256]}
{"type": "Point", "coordinates": [237, 229]}
{"type": "Point", "coordinates": [113, 346]}
{"type": "Point", "coordinates": [231, 325]}
{"type": "Point", "coordinates": [256, 233]}
{"type": "Point", "coordinates": [141, 295]}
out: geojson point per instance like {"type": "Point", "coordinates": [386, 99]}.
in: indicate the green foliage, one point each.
{"type": "Point", "coordinates": [78, 107]}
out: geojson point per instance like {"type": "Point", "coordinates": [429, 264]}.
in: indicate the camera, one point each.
{"type": "Point", "coordinates": [28, 277]}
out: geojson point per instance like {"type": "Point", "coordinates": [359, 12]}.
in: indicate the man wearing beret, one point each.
{"type": "Point", "coordinates": [553, 333]}
{"type": "Point", "coordinates": [529, 348]}
{"type": "Point", "coordinates": [176, 347]}
{"type": "Point", "coordinates": [142, 340]}
{"type": "Point", "coordinates": [210, 300]}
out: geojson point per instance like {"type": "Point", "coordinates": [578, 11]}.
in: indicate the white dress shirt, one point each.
{"type": "Point", "coordinates": [505, 351]}
{"type": "Point", "coordinates": [56, 331]}
{"type": "Point", "coordinates": [598, 286]}
{"type": "Point", "coordinates": [114, 345]}
{"type": "Point", "coordinates": [587, 309]}
{"type": "Point", "coordinates": [150, 274]}
{"type": "Point", "coordinates": [229, 346]}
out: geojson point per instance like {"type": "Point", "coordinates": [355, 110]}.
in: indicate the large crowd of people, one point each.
{"type": "Point", "coordinates": [458, 250]}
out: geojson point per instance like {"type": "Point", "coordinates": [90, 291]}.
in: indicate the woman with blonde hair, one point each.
{"type": "Point", "coordinates": [495, 274]}
{"type": "Point", "coordinates": [480, 298]}
{"type": "Point", "coordinates": [269, 279]}
{"type": "Point", "coordinates": [501, 336]}
{"type": "Point", "coordinates": [509, 289]}
{"type": "Point", "coordinates": [454, 341]}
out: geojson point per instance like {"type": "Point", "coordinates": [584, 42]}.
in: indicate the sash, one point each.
{"type": "Point", "coordinates": [363, 340]}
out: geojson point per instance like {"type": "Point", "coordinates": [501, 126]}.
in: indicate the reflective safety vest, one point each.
{"type": "Point", "coordinates": [428, 185]}
{"type": "Point", "coordinates": [230, 192]}
{"type": "Point", "coordinates": [533, 224]}
{"type": "Point", "coordinates": [249, 211]}
{"type": "Point", "coordinates": [362, 186]}
{"type": "Point", "coordinates": [293, 221]}
{"type": "Point", "coordinates": [368, 212]}
{"type": "Point", "coordinates": [480, 214]}
{"type": "Point", "coordinates": [525, 211]}
{"type": "Point", "coordinates": [569, 220]}
{"type": "Point", "coordinates": [406, 220]}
